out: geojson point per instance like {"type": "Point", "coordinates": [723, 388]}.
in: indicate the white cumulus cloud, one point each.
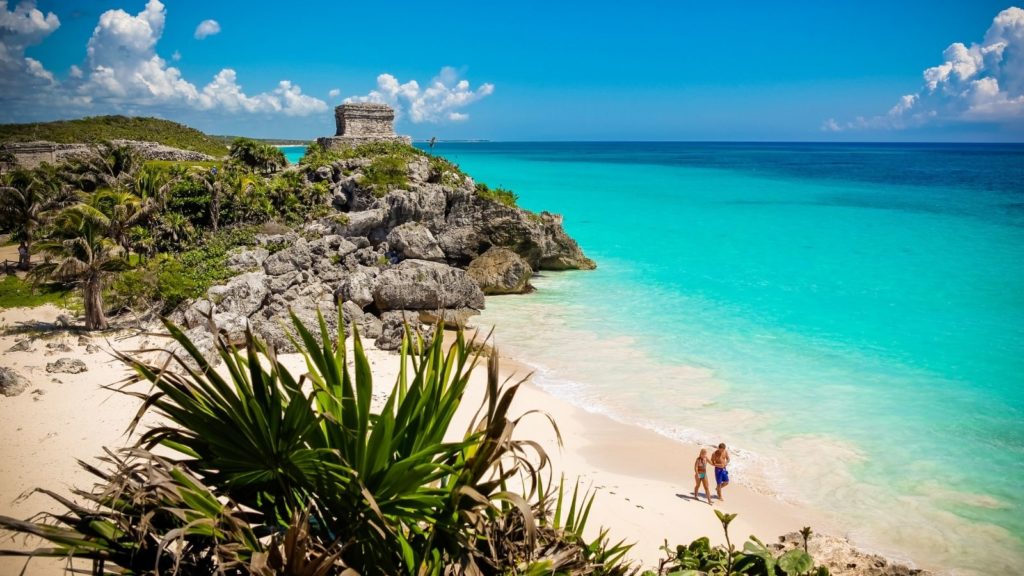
{"type": "Point", "coordinates": [334, 93]}
{"type": "Point", "coordinates": [20, 28]}
{"type": "Point", "coordinates": [439, 101]}
{"type": "Point", "coordinates": [124, 69]}
{"type": "Point", "coordinates": [980, 83]}
{"type": "Point", "coordinates": [207, 28]}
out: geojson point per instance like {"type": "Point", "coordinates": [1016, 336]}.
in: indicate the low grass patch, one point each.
{"type": "Point", "coordinates": [161, 165]}
{"type": "Point", "coordinates": [316, 155]}
{"type": "Point", "coordinates": [17, 292]}
{"type": "Point", "coordinates": [385, 173]}
{"type": "Point", "coordinates": [500, 195]}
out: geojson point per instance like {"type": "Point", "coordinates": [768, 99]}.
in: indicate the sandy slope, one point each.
{"type": "Point", "coordinates": [643, 480]}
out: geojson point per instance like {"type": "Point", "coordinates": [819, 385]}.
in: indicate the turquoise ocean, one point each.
{"type": "Point", "coordinates": [849, 318]}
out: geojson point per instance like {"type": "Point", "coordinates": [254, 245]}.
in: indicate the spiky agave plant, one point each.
{"type": "Point", "coordinates": [275, 474]}
{"type": "Point", "coordinates": [384, 491]}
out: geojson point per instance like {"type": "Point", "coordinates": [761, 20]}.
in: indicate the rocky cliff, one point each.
{"type": "Point", "coordinates": [387, 255]}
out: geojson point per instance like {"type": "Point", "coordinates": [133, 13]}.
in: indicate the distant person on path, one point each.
{"type": "Point", "coordinates": [720, 460]}
{"type": "Point", "coordinates": [23, 256]}
{"type": "Point", "coordinates": [700, 475]}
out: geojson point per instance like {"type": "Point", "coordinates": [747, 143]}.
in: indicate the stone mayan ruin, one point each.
{"type": "Point", "coordinates": [362, 123]}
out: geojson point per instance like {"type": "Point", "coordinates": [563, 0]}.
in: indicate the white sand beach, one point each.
{"type": "Point", "coordinates": [643, 481]}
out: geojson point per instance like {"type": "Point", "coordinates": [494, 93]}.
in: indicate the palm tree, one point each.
{"type": "Point", "coordinates": [124, 211]}
{"type": "Point", "coordinates": [257, 156]}
{"type": "Point", "coordinates": [107, 165]}
{"type": "Point", "coordinates": [212, 181]}
{"type": "Point", "coordinates": [25, 199]}
{"type": "Point", "coordinates": [82, 252]}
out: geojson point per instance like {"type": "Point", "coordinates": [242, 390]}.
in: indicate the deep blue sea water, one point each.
{"type": "Point", "coordinates": [850, 317]}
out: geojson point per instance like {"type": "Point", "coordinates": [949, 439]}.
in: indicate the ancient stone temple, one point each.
{"type": "Point", "coordinates": [361, 123]}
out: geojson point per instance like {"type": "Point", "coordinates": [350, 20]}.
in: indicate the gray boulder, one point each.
{"type": "Point", "coordinates": [66, 366]}
{"type": "Point", "coordinates": [197, 313]}
{"type": "Point", "coordinates": [393, 326]}
{"type": "Point", "coordinates": [281, 284]}
{"type": "Point", "coordinates": [322, 173]}
{"type": "Point", "coordinates": [501, 271]}
{"type": "Point", "coordinates": [425, 204]}
{"type": "Point", "coordinates": [358, 288]}
{"type": "Point", "coordinates": [419, 169]}
{"type": "Point", "coordinates": [276, 327]}
{"type": "Point", "coordinates": [12, 383]}
{"type": "Point", "coordinates": [414, 241]}
{"type": "Point", "coordinates": [204, 342]}
{"type": "Point", "coordinates": [423, 285]}
{"type": "Point", "coordinates": [295, 257]}
{"type": "Point", "coordinates": [248, 260]}
{"type": "Point", "coordinates": [232, 326]}
{"type": "Point", "coordinates": [242, 295]}
{"type": "Point", "coordinates": [461, 244]}
{"type": "Point", "coordinates": [362, 223]}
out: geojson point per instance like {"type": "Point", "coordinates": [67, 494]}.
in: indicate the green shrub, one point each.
{"type": "Point", "coordinates": [172, 278]}
{"type": "Point", "coordinates": [500, 195]}
{"type": "Point", "coordinates": [258, 156]}
{"type": "Point", "coordinates": [445, 172]}
{"type": "Point", "coordinates": [106, 128]}
{"type": "Point", "coordinates": [316, 155]}
{"type": "Point", "coordinates": [384, 173]}
{"type": "Point", "coordinates": [133, 289]}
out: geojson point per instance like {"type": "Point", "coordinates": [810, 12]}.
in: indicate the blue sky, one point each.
{"type": "Point", "coordinates": [529, 70]}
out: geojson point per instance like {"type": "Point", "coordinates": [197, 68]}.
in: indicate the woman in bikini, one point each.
{"type": "Point", "coordinates": [700, 474]}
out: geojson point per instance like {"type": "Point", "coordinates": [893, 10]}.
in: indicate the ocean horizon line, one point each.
{"type": "Point", "coordinates": [704, 142]}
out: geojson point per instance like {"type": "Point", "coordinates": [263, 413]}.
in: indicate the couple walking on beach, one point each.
{"type": "Point", "coordinates": [720, 460]}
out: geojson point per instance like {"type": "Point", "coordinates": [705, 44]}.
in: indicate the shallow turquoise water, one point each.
{"type": "Point", "coordinates": [849, 317]}
{"type": "Point", "coordinates": [293, 153]}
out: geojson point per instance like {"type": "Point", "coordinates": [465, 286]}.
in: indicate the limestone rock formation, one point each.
{"type": "Point", "coordinates": [414, 240]}
{"type": "Point", "coordinates": [424, 285]}
{"type": "Point", "coordinates": [386, 255]}
{"type": "Point", "coordinates": [501, 271]}
{"type": "Point", "coordinates": [32, 154]}
{"type": "Point", "coordinates": [843, 559]}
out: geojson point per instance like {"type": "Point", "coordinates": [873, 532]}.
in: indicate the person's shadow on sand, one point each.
{"type": "Point", "coordinates": [701, 497]}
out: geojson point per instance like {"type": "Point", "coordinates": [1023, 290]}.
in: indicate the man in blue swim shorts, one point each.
{"type": "Point", "coordinates": [720, 460]}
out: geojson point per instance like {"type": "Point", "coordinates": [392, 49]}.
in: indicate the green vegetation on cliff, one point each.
{"type": "Point", "coordinates": [105, 128]}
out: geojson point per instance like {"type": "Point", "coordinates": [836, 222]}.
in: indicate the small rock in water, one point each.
{"type": "Point", "coordinates": [67, 366]}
